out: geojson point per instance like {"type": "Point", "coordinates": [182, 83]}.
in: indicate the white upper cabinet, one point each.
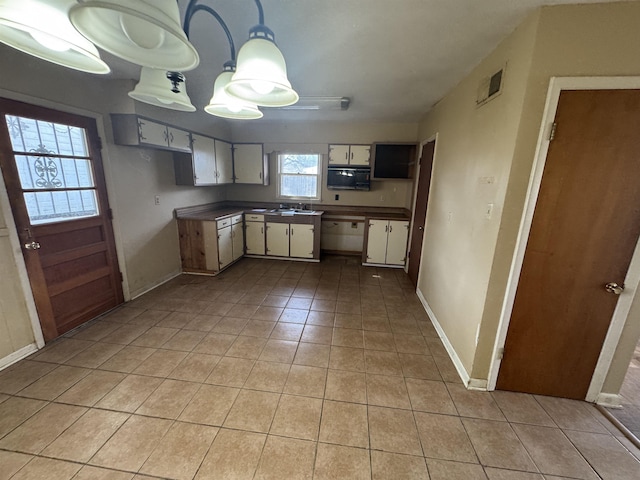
{"type": "Point", "coordinates": [204, 160]}
{"type": "Point", "coordinates": [250, 164]}
{"type": "Point", "coordinates": [224, 162]}
{"type": "Point", "coordinates": [357, 155]}
{"type": "Point", "coordinates": [131, 129]}
{"type": "Point", "coordinates": [179, 139]}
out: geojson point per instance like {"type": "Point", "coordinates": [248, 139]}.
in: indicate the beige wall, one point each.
{"type": "Point", "coordinates": [146, 233]}
{"type": "Point", "coordinates": [315, 138]}
{"type": "Point", "coordinates": [466, 262]}
{"type": "Point", "coordinates": [473, 144]}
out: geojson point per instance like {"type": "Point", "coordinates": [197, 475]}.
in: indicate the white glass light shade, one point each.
{"type": "Point", "coordinates": [42, 29]}
{"type": "Point", "coordinates": [155, 88]}
{"type": "Point", "coordinates": [261, 75]}
{"type": "Point", "coordinates": [224, 105]}
{"type": "Point", "coordinates": [144, 32]}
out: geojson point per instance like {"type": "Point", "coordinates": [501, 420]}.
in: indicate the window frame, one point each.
{"type": "Point", "coordinates": [318, 175]}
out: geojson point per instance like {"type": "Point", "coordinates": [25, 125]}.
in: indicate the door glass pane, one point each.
{"type": "Point", "coordinates": [29, 135]}
{"type": "Point", "coordinates": [55, 189]}
{"type": "Point", "coordinates": [52, 206]}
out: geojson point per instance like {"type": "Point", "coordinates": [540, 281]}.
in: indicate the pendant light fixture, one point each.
{"type": "Point", "coordinates": [261, 73]}
{"type": "Point", "coordinates": [222, 104]}
{"type": "Point", "coordinates": [163, 89]}
{"type": "Point", "coordinates": [42, 29]}
{"type": "Point", "coordinates": [144, 32]}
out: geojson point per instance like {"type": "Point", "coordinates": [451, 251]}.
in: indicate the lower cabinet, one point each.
{"type": "Point", "coordinates": [386, 242]}
{"type": "Point", "coordinates": [208, 246]}
{"type": "Point", "coordinates": [291, 240]}
{"type": "Point", "coordinates": [254, 234]}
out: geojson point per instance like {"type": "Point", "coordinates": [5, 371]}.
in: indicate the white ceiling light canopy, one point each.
{"type": "Point", "coordinates": [261, 74]}
{"type": "Point", "coordinates": [144, 32]}
{"type": "Point", "coordinates": [163, 89]}
{"type": "Point", "coordinates": [42, 29]}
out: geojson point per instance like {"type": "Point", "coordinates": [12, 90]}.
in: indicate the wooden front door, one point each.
{"type": "Point", "coordinates": [585, 228]}
{"type": "Point", "coordinates": [53, 172]}
{"type": "Point", "coordinates": [420, 213]}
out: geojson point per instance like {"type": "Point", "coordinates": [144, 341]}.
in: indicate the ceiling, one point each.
{"type": "Point", "coordinates": [393, 58]}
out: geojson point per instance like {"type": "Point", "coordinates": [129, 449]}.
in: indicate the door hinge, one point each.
{"type": "Point", "coordinates": [500, 354]}
{"type": "Point", "coordinates": [99, 143]}
{"type": "Point", "coordinates": [121, 277]}
{"type": "Point", "coordinates": [552, 133]}
{"type": "Point", "coordinates": [110, 214]}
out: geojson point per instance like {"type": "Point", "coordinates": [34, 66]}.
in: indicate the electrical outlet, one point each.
{"type": "Point", "coordinates": [337, 197]}
{"type": "Point", "coordinates": [488, 211]}
{"type": "Point", "coordinates": [157, 199]}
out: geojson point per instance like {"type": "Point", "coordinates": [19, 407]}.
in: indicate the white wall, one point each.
{"type": "Point", "coordinates": [315, 137]}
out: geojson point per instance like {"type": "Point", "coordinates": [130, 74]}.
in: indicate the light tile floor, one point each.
{"type": "Point", "coordinates": [283, 370]}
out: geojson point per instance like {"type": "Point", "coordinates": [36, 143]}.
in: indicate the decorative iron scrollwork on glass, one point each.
{"type": "Point", "coordinates": [46, 169]}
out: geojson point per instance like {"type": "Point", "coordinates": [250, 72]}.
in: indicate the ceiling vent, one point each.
{"type": "Point", "coordinates": [490, 87]}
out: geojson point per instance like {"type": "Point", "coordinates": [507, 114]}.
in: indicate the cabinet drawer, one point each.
{"type": "Point", "coordinates": [250, 217]}
{"type": "Point", "coordinates": [236, 219]}
{"type": "Point", "coordinates": [223, 223]}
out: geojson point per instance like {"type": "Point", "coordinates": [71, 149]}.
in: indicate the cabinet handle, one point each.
{"type": "Point", "coordinates": [165, 135]}
{"type": "Point", "coordinates": [260, 175]}
{"type": "Point", "coordinates": [171, 137]}
{"type": "Point", "coordinates": [286, 232]}
{"type": "Point", "coordinates": [292, 231]}
{"type": "Point", "coordinates": [346, 155]}
{"type": "Point", "coordinates": [262, 230]}
{"type": "Point", "coordinates": [351, 155]}
{"type": "Point", "coordinates": [390, 228]}
{"type": "Point", "coordinates": [386, 228]}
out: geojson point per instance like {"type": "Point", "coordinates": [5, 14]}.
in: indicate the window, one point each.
{"type": "Point", "coordinates": [54, 168]}
{"type": "Point", "coordinates": [299, 176]}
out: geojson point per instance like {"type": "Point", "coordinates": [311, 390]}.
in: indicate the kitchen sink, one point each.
{"type": "Point", "coordinates": [293, 211]}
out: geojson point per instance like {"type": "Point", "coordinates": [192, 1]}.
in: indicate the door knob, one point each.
{"type": "Point", "coordinates": [32, 246]}
{"type": "Point", "coordinates": [420, 228]}
{"type": "Point", "coordinates": [613, 287]}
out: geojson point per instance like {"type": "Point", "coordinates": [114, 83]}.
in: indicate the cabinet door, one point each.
{"type": "Point", "coordinates": [179, 140]}
{"type": "Point", "coordinates": [254, 236]}
{"type": "Point", "coordinates": [278, 239]}
{"type": "Point", "coordinates": [152, 133]}
{"type": "Point", "coordinates": [209, 232]}
{"type": "Point", "coordinates": [397, 242]}
{"type": "Point", "coordinates": [237, 239]}
{"type": "Point", "coordinates": [225, 246]}
{"type": "Point", "coordinates": [248, 163]}
{"type": "Point", "coordinates": [224, 162]}
{"type": "Point", "coordinates": [338, 154]}
{"type": "Point", "coordinates": [377, 241]}
{"type": "Point", "coordinates": [360, 155]}
{"type": "Point", "coordinates": [301, 241]}
{"type": "Point", "coordinates": [204, 160]}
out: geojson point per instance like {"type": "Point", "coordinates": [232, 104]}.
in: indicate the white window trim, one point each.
{"type": "Point", "coordinates": [318, 196]}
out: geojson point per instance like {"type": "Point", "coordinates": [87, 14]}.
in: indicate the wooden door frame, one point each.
{"type": "Point", "coordinates": [556, 86]}
{"type": "Point", "coordinates": [433, 138]}
{"type": "Point", "coordinates": [8, 213]}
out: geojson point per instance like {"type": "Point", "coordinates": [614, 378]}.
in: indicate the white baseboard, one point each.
{"type": "Point", "coordinates": [610, 400]}
{"type": "Point", "coordinates": [478, 384]}
{"type": "Point", "coordinates": [447, 344]}
{"type": "Point", "coordinates": [18, 355]}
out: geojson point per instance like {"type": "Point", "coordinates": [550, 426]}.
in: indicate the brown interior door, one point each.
{"type": "Point", "coordinates": [584, 231]}
{"type": "Point", "coordinates": [53, 172]}
{"type": "Point", "coordinates": [420, 214]}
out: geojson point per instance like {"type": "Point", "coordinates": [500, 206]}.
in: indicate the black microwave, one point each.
{"type": "Point", "coordinates": [348, 178]}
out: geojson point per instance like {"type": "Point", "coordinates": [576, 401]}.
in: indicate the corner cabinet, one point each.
{"type": "Point", "coordinates": [209, 162]}
{"type": "Point", "coordinates": [134, 130]}
{"type": "Point", "coordinates": [386, 242]}
{"type": "Point", "coordinates": [250, 164]}
{"type": "Point", "coordinates": [357, 155]}
{"type": "Point", "coordinates": [209, 246]}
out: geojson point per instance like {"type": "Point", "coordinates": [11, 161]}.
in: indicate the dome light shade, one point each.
{"type": "Point", "coordinates": [155, 88]}
{"type": "Point", "coordinates": [224, 105]}
{"type": "Point", "coordinates": [261, 74]}
{"type": "Point", "coordinates": [145, 32]}
{"type": "Point", "coordinates": [42, 29]}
